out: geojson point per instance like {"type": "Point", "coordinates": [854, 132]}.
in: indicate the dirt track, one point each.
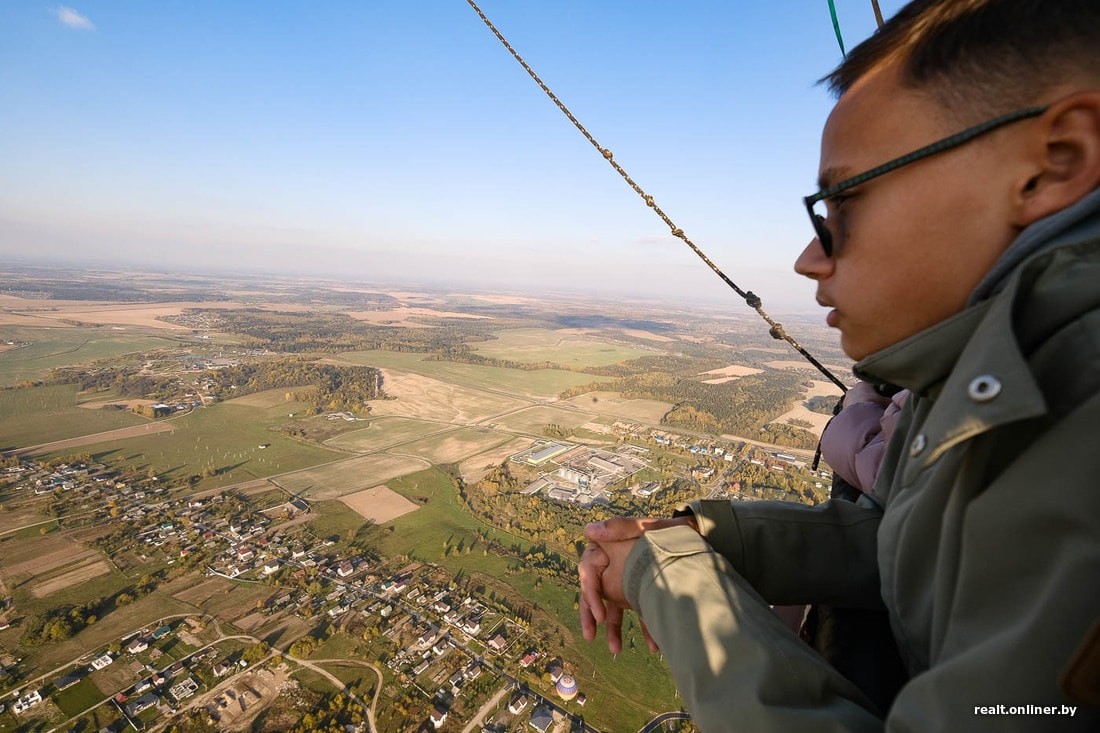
{"type": "Point", "coordinates": [104, 437]}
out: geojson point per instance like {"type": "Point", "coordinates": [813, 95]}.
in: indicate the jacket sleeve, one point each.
{"type": "Point", "coordinates": [797, 554]}
{"type": "Point", "coordinates": [735, 664]}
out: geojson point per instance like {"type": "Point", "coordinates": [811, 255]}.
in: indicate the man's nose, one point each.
{"type": "Point", "coordinates": [813, 262]}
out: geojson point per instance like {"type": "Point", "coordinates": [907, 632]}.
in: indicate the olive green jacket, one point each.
{"type": "Point", "coordinates": [982, 537]}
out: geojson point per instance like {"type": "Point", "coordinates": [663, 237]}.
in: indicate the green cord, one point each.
{"type": "Point", "coordinates": [836, 27]}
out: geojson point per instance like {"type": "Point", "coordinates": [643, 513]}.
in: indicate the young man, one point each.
{"type": "Point", "coordinates": [958, 251]}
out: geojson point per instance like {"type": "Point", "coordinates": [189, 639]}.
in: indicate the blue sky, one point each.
{"type": "Point", "coordinates": [398, 142]}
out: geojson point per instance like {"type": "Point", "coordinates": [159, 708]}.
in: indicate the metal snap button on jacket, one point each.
{"type": "Point", "coordinates": [984, 388]}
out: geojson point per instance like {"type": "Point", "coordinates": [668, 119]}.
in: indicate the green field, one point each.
{"type": "Point", "coordinates": [336, 520]}
{"type": "Point", "coordinates": [539, 383]}
{"type": "Point", "coordinates": [44, 414]}
{"type": "Point", "coordinates": [623, 693]}
{"type": "Point", "coordinates": [78, 698]}
{"type": "Point", "coordinates": [225, 437]}
{"type": "Point", "coordinates": [534, 345]}
{"type": "Point", "coordinates": [384, 432]}
{"type": "Point", "coordinates": [55, 347]}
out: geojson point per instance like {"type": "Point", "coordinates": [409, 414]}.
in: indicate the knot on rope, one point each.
{"type": "Point", "coordinates": [648, 200]}
{"type": "Point", "coordinates": [677, 232]}
{"type": "Point", "coordinates": [777, 332]}
{"type": "Point", "coordinates": [753, 300]}
{"type": "Point", "coordinates": [607, 153]}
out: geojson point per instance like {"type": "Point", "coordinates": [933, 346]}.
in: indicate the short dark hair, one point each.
{"type": "Point", "coordinates": [982, 57]}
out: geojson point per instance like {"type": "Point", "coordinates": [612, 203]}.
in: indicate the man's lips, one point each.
{"type": "Point", "coordinates": [832, 318]}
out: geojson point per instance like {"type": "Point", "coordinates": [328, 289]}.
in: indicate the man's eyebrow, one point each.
{"type": "Point", "coordinates": [832, 176]}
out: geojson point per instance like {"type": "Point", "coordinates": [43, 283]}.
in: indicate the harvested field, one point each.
{"type": "Point", "coordinates": [338, 479]}
{"type": "Point", "coordinates": [199, 594]}
{"type": "Point", "coordinates": [400, 316]}
{"type": "Point", "coordinates": [534, 345]}
{"type": "Point", "coordinates": [226, 599]}
{"type": "Point", "coordinates": [73, 577]}
{"type": "Point", "coordinates": [455, 445]}
{"type": "Point", "coordinates": [495, 299]}
{"type": "Point", "coordinates": [474, 468]}
{"type": "Point", "coordinates": [534, 419]}
{"type": "Point", "coordinates": [384, 433]}
{"type": "Point", "coordinates": [613, 404]}
{"type": "Point", "coordinates": [795, 364]}
{"type": "Point", "coordinates": [800, 412]}
{"type": "Point", "coordinates": [647, 335]}
{"type": "Point", "coordinates": [105, 437]}
{"type": "Point", "coordinates": [40, 562]}
{"type": "Point", "coordinates": [379, 504]}
{"type": "Point", "coordinates": [536, 384]}
{"type": "Point", "coordinates": [733, 370]}
{"type": "Point", "coordinates": [430, 399]}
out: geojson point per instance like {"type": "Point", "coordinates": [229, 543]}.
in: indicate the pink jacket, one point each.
{"type": "Point", "coordinates": [854, 441]}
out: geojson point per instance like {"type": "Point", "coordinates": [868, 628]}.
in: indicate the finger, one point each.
{"type": "Point", "coordinates": [615, 529]}
{"type": "Point", "coordinates": [613, 625]}
{"type": "Point", "coordinates": [593, 562]}
{"type": "Point", "coordinates": [588, 621]}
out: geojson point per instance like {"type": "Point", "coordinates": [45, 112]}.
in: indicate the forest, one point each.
{"type": "Point", "coordinates": [298, 332]}
{"type": "Point", "coordinates": [334, 388]}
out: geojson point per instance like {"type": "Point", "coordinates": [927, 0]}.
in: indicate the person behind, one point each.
{"type": "Point", "coordinates": [958, 251]}
{"type": "Point", "coordinates": [854, 441]}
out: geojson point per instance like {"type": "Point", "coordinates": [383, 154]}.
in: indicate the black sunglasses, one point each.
{"type": "Point", "coordinates": [818, 218]}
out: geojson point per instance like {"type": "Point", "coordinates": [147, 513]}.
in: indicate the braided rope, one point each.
{"type": "Point", "coordinates": [775, 329]}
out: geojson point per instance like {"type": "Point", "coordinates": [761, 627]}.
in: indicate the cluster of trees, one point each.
{"type": "Point", "coordinates": [825, 404]}
{"type": "Point", "coordinates": [60, 623]}
{"type": "Point", "coordinates": [152, 411]}
{"type": "Point", "coordinates": [741, 407]}
{"type": "Point", "coordinates": [784, 486]}
{"type": "Point", "coordinates": [555, 528]}
{"type": "Point", "coordinates": [125, 381]}
{"type": "Point", "coordinates": [336, 388]}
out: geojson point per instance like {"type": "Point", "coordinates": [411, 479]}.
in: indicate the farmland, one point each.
{"type": "Point", "coordinates": [374, 474]}
{"type": "Point", "coordinates": [537, 384]}
{"type": "Point", "coordinates": [537, 345]}
{"type": "Point", "coordinates": [225, 438]}
{"type": "Point", "coordinates": [44, 414]}
{"type": "Point", "coordinates": [348, 476]}
{"type": "Point", "coordinates": [383, 433]}
{"type": "Point", "coordinates": [54, 347]}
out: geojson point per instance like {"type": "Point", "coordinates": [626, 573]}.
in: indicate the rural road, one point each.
{"type": "Point", "coordinates": [492, 703]}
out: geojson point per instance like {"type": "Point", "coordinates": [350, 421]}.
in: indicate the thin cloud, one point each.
{"type": "Point", "coordinates": [73, 19]}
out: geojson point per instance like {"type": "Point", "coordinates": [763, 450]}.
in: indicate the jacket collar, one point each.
{"type": "Point", "coordinates": [974, 361]}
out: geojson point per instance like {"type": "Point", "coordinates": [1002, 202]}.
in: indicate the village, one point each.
{"type": "Point", "coordinates": [437, 639]}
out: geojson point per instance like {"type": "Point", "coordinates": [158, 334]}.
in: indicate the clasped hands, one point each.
{"type": "Point", "coordinates": [601, 574]}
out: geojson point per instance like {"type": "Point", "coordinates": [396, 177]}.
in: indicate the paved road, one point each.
{"type": "Point", "coordinates": [661, 720]}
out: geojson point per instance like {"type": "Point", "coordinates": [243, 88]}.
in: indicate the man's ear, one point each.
{"type": "Point", "coordinates": [1066, 158]}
